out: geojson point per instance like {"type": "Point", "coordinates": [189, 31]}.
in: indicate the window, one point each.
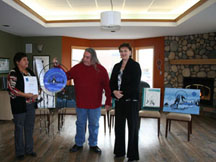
{"type": "Point", "coordinates": [77, 55]}
{"type": "Point", "coordinates": [145, 57]}
{"type": "Point", "coordinates": [107, 57]}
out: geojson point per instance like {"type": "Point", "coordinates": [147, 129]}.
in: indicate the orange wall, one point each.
{"type": "Point", "coordinates": [156, 43]}
{"type": "Point", "coordinates": [67, 43]}
{"type": "Point", "coordinates": [158, 75]}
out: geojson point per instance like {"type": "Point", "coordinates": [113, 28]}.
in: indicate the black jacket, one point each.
{"type": "Point", "coordinates": [130, 79]}
{"type": "Point", "coordinates": [18, 104]}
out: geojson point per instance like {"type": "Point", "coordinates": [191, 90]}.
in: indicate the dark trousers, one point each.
{"type": "Point", "coordinates": [126, 110]}
{"type": "Point", "coordinates": [24, 126]}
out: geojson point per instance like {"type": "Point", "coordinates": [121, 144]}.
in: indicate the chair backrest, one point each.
{"type": "Point", "coordinates": [151, 99]}
{"type": "Point", "coordinates": [142, 85]}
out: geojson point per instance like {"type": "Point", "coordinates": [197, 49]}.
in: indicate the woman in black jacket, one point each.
{"type": "Point", "coordinates": [23, 106]}
{"type": "Point", "coordinates": [124, 84]}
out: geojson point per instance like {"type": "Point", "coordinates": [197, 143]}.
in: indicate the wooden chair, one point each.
{"type": "Point", "coordinates": [150, 114]}
{"type": "Point", "coordinates": [61, 115]}
{"type": "Point", "coordinates": [111, 116]}
{"type": "Point", "coordinates": [105, 114]}
{"type": "Point", "coordinates": [179, 117]}
{"type": "Point", "coordinates": [44, 115]}
{"type": "Point", "coordinates": [150, 111]}
{"type": "Point", "coordinates": [72, 111]}
{"type": "Point", "coordinates": [112, 119]}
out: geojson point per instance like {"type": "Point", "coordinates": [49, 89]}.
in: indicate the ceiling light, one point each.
{"type": "Point", "coordinates": [110, 20]}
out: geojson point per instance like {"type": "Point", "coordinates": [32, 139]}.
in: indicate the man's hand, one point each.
{"type": "Point", "coordinates": [107, 107]}
{"type": "Point", "coordinates": [55, 61]}
{"type": "Point", "coordinates": [118, 94]}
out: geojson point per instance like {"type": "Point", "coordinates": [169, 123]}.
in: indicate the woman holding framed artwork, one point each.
{"type": "Point", "coordinates": [23, 106]}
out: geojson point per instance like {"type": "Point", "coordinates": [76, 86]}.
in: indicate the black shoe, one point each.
{"type": "Point", "coordinates": [33, 154]}
{"type": "Point", "coordinates": [20, 157]}
{"type": "Point", "coordinates": [75, 148]}
{"type": "Point", "coordinates": [96, 149]}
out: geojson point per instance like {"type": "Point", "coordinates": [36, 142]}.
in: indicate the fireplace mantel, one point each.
{"type": "Point", "coordinates": [193, 61]}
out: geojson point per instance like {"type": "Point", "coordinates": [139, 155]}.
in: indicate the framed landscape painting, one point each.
{"type": "Point", "coordinates": [180, 100]}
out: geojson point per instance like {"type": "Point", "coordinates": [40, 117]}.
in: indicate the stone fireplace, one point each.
{"type": "Point", "coordinates": [182, 70]}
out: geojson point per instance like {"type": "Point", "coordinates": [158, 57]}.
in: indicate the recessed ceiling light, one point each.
{"type": "Point", "coordinates": [7, 26]}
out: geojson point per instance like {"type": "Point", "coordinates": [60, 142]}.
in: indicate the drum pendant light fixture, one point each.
{"type": "Point", "coordinates": [110, 20]}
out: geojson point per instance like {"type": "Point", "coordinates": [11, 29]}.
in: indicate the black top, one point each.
{"type": "Point", "coordinates": [130, 79]}
{"type": "Point", "coordinates": [18, 104]}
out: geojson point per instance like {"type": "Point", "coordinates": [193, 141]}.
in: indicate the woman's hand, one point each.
{"type": "Point", "coordinates": [118, 94]}
{"type": "Point", "coordinates": [35, 97]}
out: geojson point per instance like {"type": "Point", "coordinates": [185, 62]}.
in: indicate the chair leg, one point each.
{"type": "Point", "coordinates": [189, 129]}
{"type": "Point", "coordinates": [166, 127]}
{"type": "Point", "coordinates": [58, 121]}
{"type": "Point", "coordinates": [169, 124]}
{"type": "Point", "coordinates": [108, 116]}
{"type": "Point", "coordinates": [48, 119]}
{"type": "Point", "coordinates": [139, 122]}
{"type": "Point", "coordinates": [113, 120]}
{"type": "Point", "coordinates": [104, 123]}
{"type": "Point", "coordinates": [40, 122]}
{"type": "Point", "coordinates": [191, 126]}
{"type": "Point", "coordinates": [110, 122]}
{"type": "Point", "coordinates": [158, 127]}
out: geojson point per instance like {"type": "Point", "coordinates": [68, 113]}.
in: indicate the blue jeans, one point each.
{"type": "Point", "coordinates": [93, 116]}
{"type": "Point", "coordinates": [24, 127]}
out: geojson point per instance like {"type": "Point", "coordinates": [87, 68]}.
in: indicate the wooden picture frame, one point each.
{"type": "Point", "coordinates": [45, 60]}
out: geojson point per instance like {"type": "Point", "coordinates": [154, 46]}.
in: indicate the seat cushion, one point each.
{"type": "Point", "coordinates": [112, 112]}
{"type": "Point", "coordinates": [69, 111]}
{"type": "Point", "coordinates": [151, 114]}
{"type": "Point", "coordinates": [42, 111]}
{"type": "Point", "coordinates": [103, 112]}
{"type": "Point", "coordinates": [178, 116]}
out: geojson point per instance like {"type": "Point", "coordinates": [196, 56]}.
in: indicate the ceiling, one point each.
{"type": "Point", "coordinates": [156, 18]}
{"type": "Point", "coordinates": [91, 9]}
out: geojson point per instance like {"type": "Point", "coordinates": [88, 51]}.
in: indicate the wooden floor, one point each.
{"type": "Point", "coordinates": [55, 146]}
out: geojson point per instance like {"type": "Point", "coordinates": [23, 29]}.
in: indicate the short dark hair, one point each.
{"type": "Point", "coordinates": [18, 56]}
{"type": "Point", "coordinates": [127, 45]}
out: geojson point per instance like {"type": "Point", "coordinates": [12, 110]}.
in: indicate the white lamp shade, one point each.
{"type": "Point", "coordinates": [110, 19]}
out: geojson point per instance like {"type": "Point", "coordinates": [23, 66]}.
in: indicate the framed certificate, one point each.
{"type": "Point", "coordinates": [31, 85]}
{"type": "Point", "coordinates": [4, 65]}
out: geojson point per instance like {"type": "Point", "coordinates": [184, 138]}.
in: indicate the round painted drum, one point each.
{"type": "Point", "coordinates": [55, 80]}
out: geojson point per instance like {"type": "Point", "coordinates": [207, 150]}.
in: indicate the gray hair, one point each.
{"type": "Point", "coordinates": [94, 59]}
